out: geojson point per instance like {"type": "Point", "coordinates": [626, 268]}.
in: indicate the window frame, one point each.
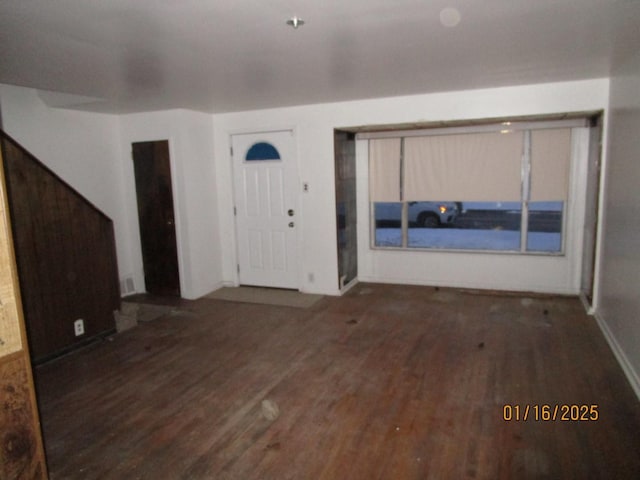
{"type": "Point", "coordinates": [257, 159]}
{"type": "Point", "coordinates": [503, 127]}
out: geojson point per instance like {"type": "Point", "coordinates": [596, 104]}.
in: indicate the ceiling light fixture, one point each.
{"type": "Point", "coordinates": [295, 22]}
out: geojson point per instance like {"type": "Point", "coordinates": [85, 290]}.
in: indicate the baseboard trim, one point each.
{"type": "Point", "coordinates": [524, 290]}
{"type": "Point", "coordinates": [588, 307]}
{"type": "Point", "coordinates": [627, 368]}
{"type": "Point", "coordinates": [218, 286]}
{"type": "Point", "coordinates": [63, 352]}
{"type": "Point", "coordinates": [349, 286]}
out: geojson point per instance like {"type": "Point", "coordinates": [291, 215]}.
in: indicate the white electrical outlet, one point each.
{"type": "Point", "coordinates": [78, 327]}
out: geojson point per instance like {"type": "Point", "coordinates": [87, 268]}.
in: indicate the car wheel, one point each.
{"type": "Point", "coordinates": [428, 220]}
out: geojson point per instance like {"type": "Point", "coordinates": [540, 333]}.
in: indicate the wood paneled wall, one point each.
{"type": "Point", "coordinates": [21, 450]}
{"type": "Point", "coordinates": [66, 258]}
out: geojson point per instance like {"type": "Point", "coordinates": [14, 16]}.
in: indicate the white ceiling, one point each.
{"type": "Point", "coordinates": [231, 55]}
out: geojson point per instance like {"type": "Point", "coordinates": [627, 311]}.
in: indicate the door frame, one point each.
{"type": "Point", "coordinates": [592, 215]}
{"type": "Point", "coordinates": [176, 194]}
{"type": "Point", "coordinates": [298, 199]}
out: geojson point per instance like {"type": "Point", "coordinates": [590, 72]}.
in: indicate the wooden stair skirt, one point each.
{"type": "Point", "coordinates": [65, 254]}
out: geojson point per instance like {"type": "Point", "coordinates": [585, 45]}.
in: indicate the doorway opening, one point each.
{"type": "Point", "coordinates": [156, 217]}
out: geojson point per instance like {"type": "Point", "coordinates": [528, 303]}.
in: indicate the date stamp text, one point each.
{"type": "Point", "coordinates": [550, 413]}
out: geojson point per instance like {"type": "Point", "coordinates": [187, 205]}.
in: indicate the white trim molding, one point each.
{"type": "Point", "coordinates": [627, 367]}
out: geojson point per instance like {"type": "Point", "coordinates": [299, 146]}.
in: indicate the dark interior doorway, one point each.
{"type": "Point", "coordinates": [156, 217]}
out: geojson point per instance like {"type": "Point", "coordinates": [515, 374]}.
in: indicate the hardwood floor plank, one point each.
{"type": "Point", "coordinates": [387, 382]}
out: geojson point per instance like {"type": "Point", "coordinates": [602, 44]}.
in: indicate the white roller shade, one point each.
{"type": "Point", "coordinates": [384, 170]}
{"type": "Point", "coordinates": [550, 158]}
{"type": "Point", "coordinates": [464, 167]}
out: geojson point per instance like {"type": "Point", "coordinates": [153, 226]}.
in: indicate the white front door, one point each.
{"type": "Point", "coordinates": [265, 181]}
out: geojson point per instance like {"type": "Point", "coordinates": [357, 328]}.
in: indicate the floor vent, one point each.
{"type": "Point", "coordinates": [127, 287]}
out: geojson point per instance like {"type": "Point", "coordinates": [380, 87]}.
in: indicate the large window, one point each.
{"type": "Point", "coordinates": [502, 190]}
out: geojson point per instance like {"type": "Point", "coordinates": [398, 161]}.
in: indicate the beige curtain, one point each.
{"type": "Point", "coordinates": [384, 170]}
{"type": "Point", "coordinates": [463, 167]}
{"type": "Point", "coordinates": [550, 159]}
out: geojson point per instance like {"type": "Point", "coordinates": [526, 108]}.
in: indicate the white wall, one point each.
{"type": "Point", "coordinates": [314, 126]}
{"type": "Point", "coordinates": [190, 136]}
{"type": "Point", "coordinates": [619, 293]}
{"type": "Point", "coordinates": [92, 152]}
{"type": "Point", "coordinates": [80, 147]}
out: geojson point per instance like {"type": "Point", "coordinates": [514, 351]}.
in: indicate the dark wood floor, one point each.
{"type": "Point", "coordinates": [387, 382]}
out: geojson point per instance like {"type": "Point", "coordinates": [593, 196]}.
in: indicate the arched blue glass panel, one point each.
{"type": "Point", "coordinates": [262, 151]}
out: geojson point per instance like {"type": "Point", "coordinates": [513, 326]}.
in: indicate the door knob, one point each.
{"type": "Point", "coordinates": [290, 212]}
{"type": "Point", "coordinates": [291, 224]}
